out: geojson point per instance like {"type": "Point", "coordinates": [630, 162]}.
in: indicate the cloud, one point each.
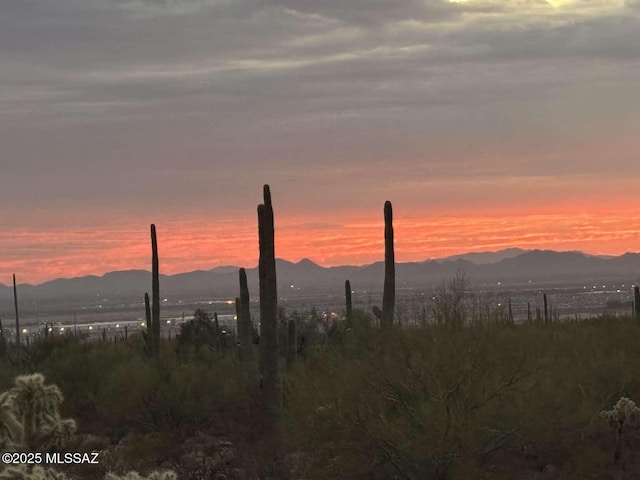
{"type": "Point", "coordinates": [133, 105]}
{"type": "Point", "coordinates": [372, 12]}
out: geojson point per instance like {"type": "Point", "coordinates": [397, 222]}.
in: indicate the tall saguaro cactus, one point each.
{"type": "Point", "coordinates": [155, 293]}
{"type": "Point", "coordinates": [15, 305]}
{"type": "Point", "coordinates": [389, 292]}
{"type": "Point", "coordinates": [244, 320]}
{"type": "Point", "coordinates": [269, 368]}
{"type": "Point", "coordinates": [636, 302]}
{"type": "Point", "coordinates": [347, 296]}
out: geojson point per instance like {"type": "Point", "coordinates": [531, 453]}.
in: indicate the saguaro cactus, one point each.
{"type": "Point", "coordinates": [155, 293]}
{"type": "Point", "coordinates": [636, 302]}
{"type": "Point", "coordinates": [238, 328]}
{"type": "Point", "coordinates": [347, 296]}
{"type": "Point", "coordinates": [147, 334]}
{"type": "Point", "coordinates": [389, 292]}
{"type": "Point", "coordinates": [269, 368]}
{"type": "Point", "coordinates": [511, 321]}
{"type": "Point", "coordinates": [219, 339]}
{"type": "Point", "coordinates": [244, 320]}
{"type": "Point", "coordinates": [546, 309]}
{"type": "Point", "coordinates": [15, 304]}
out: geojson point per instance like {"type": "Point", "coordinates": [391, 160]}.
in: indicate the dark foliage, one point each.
{"type": "Point", "coordinates": [197, 332]}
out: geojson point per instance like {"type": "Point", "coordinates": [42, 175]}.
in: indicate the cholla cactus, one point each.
{"type": "Point", "coordinates": [624, 415]}
{"type": "Point", "coordinates": [29, 412]}
{"type": "Point", "coordinates": [59, 434]}
{"type": "Point", "coordinates": [623, 418]}
{"type": "Point", "coordinates": [36, 405]}
{"type": "Point", "coordinates": [24, 472]}
{"type": "Point", "coordinates": [155, 475]}
{"type": "Point", "coordinates": [10, 428]}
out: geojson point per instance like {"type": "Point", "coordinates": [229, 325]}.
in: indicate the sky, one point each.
{"type": "Point", "coordinates": [488, 124]}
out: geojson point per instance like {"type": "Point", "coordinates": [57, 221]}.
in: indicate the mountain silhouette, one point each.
{"type": "Point", "coordinates": [507, 266]}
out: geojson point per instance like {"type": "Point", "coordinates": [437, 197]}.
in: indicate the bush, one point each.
{"type": "Point", "coordinates": [197, 332]}
{"type": "Point", "coordinates": [438, 402]}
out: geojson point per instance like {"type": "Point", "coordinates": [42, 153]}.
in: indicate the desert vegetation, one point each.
{"type": "Point", "coordinates": [452, 390]}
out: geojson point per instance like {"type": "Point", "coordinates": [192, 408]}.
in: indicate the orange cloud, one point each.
{"type": "Point", "coordinates": [199, 243]}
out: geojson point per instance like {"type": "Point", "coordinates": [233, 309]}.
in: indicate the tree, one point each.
{"type": "Point", "coordinates": [198, 331]}
{"type": "Point", "coordinates": [448, 301]}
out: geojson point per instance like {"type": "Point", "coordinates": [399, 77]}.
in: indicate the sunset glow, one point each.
{"type": "Point", "coordinates": [195, 244]}
{"type": "Point", "coordinates": [487, 123]}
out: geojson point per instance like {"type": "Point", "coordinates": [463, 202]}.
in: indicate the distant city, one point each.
{"type": "Point", "coordinates": [577, 285]}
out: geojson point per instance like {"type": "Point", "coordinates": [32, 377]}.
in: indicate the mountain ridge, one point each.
{"type": "Point", "coordinates": [307, 276]}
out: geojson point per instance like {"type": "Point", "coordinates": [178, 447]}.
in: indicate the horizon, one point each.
{"type": "Point", "coordinates": [487, 124]}
{"type": "Point", "coordinates": [320, 264]}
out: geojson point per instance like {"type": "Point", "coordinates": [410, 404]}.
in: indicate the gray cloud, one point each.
{"type": "Point", "coordinates": [175, 103]}
{"type": "Point", "coordinates": [372, 12]}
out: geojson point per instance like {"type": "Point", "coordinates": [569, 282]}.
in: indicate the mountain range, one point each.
{"type": "Point", "coordinates": [510, 266]}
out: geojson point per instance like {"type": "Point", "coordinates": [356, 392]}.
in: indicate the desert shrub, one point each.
{"type": "Point", "coordinates": [438, 402]}
{"type": "Point", "coordinates": [115, 389]}
{"type": "Point", "coordinates": [449, 306]}
{"type": "Point", "coordinates": [42, 348]}
{"type": "Point", "coordinates": [196, 392]}
{"type": "Point", "coordinates": [80, 369]}
{"type": "Point", "coordinates": [198, 332]}
{"type": "Point", "coordinates": [141, 396]}
{"type": "Point", "coordinates": [386, 413]}
{"type": "Point", "coordinates": [155, 475]}
{"type": "Point", "coordinates": [423, 403]}
{"type": "Point", "coordinates": [122, 396]}
{"type": "Point", "coordinates": [310, 328]}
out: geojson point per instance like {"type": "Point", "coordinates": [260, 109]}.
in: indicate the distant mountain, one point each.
{"type": "Point", "coordinates": [481, 258]}
{"type": "Point", "coordinates": [306, 277]}
{"type": "Point", "coordinates": [224, 269]}
{"type": "Point", "coordinates": [549, 266]}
